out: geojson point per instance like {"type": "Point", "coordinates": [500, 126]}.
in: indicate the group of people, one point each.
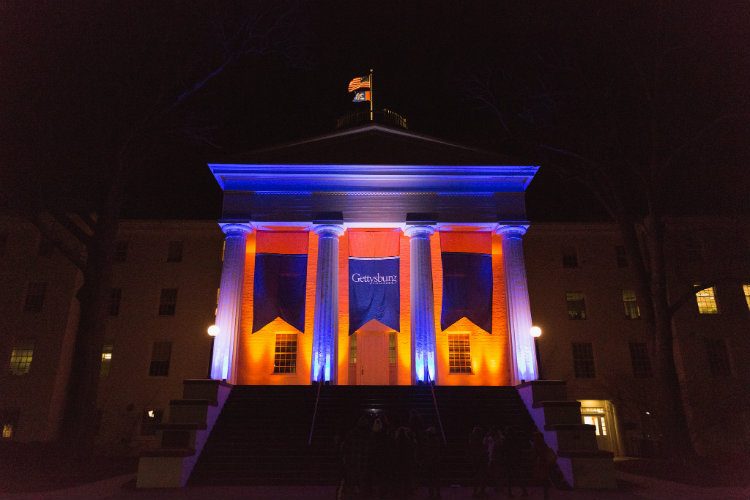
{"type": "Point", "coordinates": [383, 458]}
{"type": "Point", "coordinates": [510, 457]}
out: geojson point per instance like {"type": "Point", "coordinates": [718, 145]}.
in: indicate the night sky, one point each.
{"type": "Point", "coordinates": [79, 77]}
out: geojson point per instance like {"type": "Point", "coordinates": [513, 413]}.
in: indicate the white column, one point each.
{"type": "Point", "coordinates": [223, 361]}
{"type": "Point", "coordinates": [422, 301]}
{"type": "Point", "coordinates": [522, 352]}
{"type": "Point", "coordinates": [326, 322]}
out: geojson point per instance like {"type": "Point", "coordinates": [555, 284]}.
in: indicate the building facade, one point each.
{"type": "Point", "coordinates": [378, 257]}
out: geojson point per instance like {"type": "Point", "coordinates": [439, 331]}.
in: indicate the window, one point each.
{"type": "Point", "coordinates": [174, 252]}
{"type": "Point", "coordinates": [8, 423]}
{"type": "Point", "coordinates": [583, 360]}
{"type": "Point", "coordinates": [160, 356]}
{"type": "Point", "coordinates": [353, 349]}
{"type": "Point", "coordinates": [576, 305]}
{"type": "Point", "coordinates": [115, 295]}
{"type": "Point", "coordinates": [285, 353]}
{"type": "Point", "coordinates": [149, 421]}
{"type": "Point", "coordinates": [631, 304]}
{"type": "Point", "coordinates": [746, 289]}
{"type": "Point", "coordinates": [168, 301]}
{"type": "Point", "coordinates": [121, 251]}
{"type": "Point", "coordinates": [106, 360]}
{"type": "Point", "coordinates": [35, 297]}
{"type": "Point", "coordinates": [569, 257]}
{"type": "Point", "coordinates": [459, 353]}
{"type": "Point", "coordinates": [706, 301]}
{"type": "Point", "coordinates": [20, 357]}
{"type": "Point", "coordinates": [392, 348]}
{"type": "Point", "coordinates": [718, 357]}
{"type": "Point", "coordinates": [46, 248]}
{"type": "Point", "coordinates": [598, 421]}
{"type": "Point", "coordinates": [640, 360]}
{"type": "Point", "coordinates": [622, 258]}
{"type": "Point", "coordinates": [693, 249]}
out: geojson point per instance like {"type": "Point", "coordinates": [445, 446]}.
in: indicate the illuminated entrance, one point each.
{"type": "Point", "coordinates": [376, 355]}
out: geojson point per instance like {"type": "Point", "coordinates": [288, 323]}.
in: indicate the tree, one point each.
{"type": "Point", "coordinates": [95, 90]}
{"type": "Point", "coordinates": [635, 102]}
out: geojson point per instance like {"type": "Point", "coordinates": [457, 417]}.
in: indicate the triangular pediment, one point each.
{"type": "Point", "coordinates": [373, 144]}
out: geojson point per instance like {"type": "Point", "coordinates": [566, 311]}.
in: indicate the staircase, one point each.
{"type": "Point", "coordinates": [261, 436]}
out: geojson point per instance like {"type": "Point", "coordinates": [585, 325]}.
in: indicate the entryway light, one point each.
{"type": "Point", "coordinates": [535, 331]}
{"type": "Point", "coordinates": [213, 330]}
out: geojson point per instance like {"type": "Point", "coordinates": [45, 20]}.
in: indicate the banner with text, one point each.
{"type": "Point", "coordinates": [374, 291]}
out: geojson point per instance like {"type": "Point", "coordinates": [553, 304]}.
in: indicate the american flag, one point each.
{"type": "Point", "coordinates": [361, 82]}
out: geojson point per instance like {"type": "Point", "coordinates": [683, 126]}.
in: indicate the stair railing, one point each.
{"type": "Point", "coordinates": [315, 410]}
{"type": "Point", "coordinates": [434, 402]}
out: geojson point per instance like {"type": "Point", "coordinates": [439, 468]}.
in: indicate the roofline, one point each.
{"type": "Point", "coordinates": [366, 128]}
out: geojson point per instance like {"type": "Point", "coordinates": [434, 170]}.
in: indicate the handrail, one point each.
{"type": "Point", "coordinates": [315, 410]}
{"type": "Point", "coordinates": [434, 402]}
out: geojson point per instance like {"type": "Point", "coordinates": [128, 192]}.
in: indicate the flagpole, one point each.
{"type": "Point", "coordinates": [371, 95]}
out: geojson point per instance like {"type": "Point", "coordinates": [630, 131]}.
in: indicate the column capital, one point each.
{"type": "Point", "coordinates": [513, 230]}
{"type": "Point", "coordinates": [232, 228]}
{"type": "Point", "coordinates": [419, 231]}
{"type": "Point", "coordinates": [328, 230]}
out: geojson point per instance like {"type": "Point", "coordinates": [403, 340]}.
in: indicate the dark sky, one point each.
{"type": "Point", "coordinates": [77, 77]}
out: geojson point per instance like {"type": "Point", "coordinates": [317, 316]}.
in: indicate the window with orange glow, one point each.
{"type": "Point", "coordinates": [459, 353]}
{"type": "Point", "coordinates": [706, 300]}
{"type": "Point", "coordinates": [746, 289]}
{"type": "Point", "coordinates": [285, 353]}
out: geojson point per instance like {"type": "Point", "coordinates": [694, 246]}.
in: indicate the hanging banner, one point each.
{"type": "Point", "coordinates": [374, 292]}
{"type": "Point", "coordinates": [467, 279]}
{"type": "Point", "coordinates": [374, 278]}
{"type": "Point", "coordinates": [280, 278]}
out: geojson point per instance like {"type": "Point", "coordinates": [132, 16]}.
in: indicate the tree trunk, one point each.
{"type": "Point", "coordinates": [670, 410]}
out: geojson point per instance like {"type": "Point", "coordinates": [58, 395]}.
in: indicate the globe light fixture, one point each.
{"type": "Point", "coordinates": [213, 330]}
{"type": "Point", "coordinates": [535, 331]}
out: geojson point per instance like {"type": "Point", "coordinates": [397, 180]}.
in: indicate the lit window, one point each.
{"type": "Point", "coordinates": [718, 357]}
{"type": "Point", "coordinates": [746, 289]}
{"type": "Point", "coordinates": [640, 360]}
{"type": "Point", "coordinates": [106, 360]}
{"type": "Point", "coordinates": [115, 295]}
{"type": "Point", "coordinates": [576, 305]}
{"type": "Point", "coordinates": [160, 356]}
{"type": "Point", "coordinates": [459, 353]}
{"type": "Point", "coordinates": [598, 421]}
{"type": "Point", "coordinates": [631, 304]}
{"type": "Point", "coordinates": [121, 251]}
{"type": "Point", "coordinates": [569, 257]}
{"type": "Point", "coordinates": [285, 353]}
{"type": "Point", "coordinates": [8, 421]}
{"type": "Point", "coordinates": [20, 358]}
{"type": "Point", "coordinates": [583, 360]}
{"type": "Point", "coordinates": [149, 421]}
{"type": "Point", "coordinates": [167, 301]}
{"type": "Point", "coordinates": [706, 301]}
{"type": "Point", "coordinates": [35, 297]}
{"type": "Point", "coordinates": [622, 258]}
{"type": "Point", "coordinates": [353, 349]}
{"type": "Point", "coordinates": [174, 252]}
{"type": "Point", "coordinates": [392, 348]}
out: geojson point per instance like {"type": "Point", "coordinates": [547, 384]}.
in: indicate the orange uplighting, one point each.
{"type": "Point", "coordinates": [489, 352]}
